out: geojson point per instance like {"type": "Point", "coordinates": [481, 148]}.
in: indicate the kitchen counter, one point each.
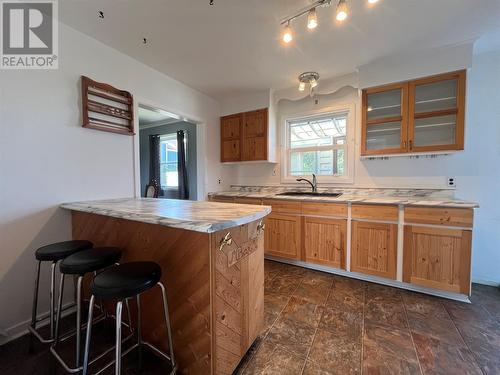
{"type": "Point", "coordinates": [407, 197]}
{"type": "Point", "coordinates": [212, 260]}
{"type": "Point", "coordinates": [206, 217]}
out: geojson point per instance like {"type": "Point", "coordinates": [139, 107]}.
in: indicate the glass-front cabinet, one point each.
{"type": "Point", "coordinates": [423, 115]}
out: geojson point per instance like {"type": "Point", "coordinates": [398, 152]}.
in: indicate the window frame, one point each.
{"type": "Point", "coordinates": [348, 178]}
{"type": "Point", "coordinates": [174, 135]}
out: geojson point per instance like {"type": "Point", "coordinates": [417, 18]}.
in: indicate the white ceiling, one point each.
{"type": "Point", "coordinates": [233, 46]}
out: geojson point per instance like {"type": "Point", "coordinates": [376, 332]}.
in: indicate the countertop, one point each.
{"type": "Point", "coordinates": [199, 216]}
{"type": "Point", "coordinates": [407, 197]}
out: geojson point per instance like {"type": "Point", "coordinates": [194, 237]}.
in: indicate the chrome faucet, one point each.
{"type": "Point", "coordinates": [313, 184]}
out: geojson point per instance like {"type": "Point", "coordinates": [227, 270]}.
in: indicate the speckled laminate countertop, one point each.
{"type": "Point", "coordinates": [408, 197]}
{"type": "Point", "coordinates": [199, 216]}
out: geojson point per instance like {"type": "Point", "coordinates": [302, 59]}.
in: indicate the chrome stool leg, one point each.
{"type": "Point", "coordinates": [34, 306]}
{"type": "Point", "coordinates": [78, 320]}
{"type": "Point", "coordinates": [118, 342]}
{"type": "Point", "coordinates": [167, 322]}
{"type": "Point", "coordinates": [87, 337]}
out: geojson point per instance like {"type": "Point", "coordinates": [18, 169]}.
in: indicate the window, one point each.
{"type": "Point", "coordinates": [168, 161]}
{"type": "Point", "coordinates": [318, 144]}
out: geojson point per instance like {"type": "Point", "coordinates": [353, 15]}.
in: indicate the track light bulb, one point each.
{"type": "Point", "coordinates": [372, 1]}
{"type": "Point", "coordinates": [313, 83]}
{"type": "Point", "coordinates": [342, 11]}
{"type": "Point", "coordinates": [302, 86]}
{"type": "Point", "coordinates": [312, 19]}
{"type": "Point", "coordinates": [287, 34]}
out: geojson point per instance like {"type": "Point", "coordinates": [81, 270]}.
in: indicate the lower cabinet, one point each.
{"type": "Point", "coordinates": [374, 248]}
{"type": "Point", "coordinates": [324, 241]}
{"type": "Point", "coordinates": [437, 258]}
{"type": "Point", "coordinates": [282, 236]}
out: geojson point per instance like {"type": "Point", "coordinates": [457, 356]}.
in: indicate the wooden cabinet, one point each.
{"type": "Point", "coordinates": [374, 248]}
{"type": "Point", "coordinates": [244, 136]}
{"type": "Point", "coordinates": [282, 236]}
{"type": "Point", "coordinates": [437, 258]}
{"type": "Point", "coordinates": [324, 241]}
{"type": "Point", "coordinates": [422, 115]}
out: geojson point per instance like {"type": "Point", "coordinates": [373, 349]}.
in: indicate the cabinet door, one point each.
{"type": "Point", "coordinates": [282, 236]}
{"type": "Point", "coordinates": [230, 127]}
{"type": "Point", "coordinates": [384, 120]}
{"type": "Point", "coordinates": [324, 241]}
{"type": "Point", "coordinates": [230, 150]}
{"type": "Point", "coordinates": [374, 249]}
{"type": "Point", "coordinates": [255, 135]}
{"type": "Point", "coordinates": [437, 258]}
{"type": "Point", "coordinates": [436, 113]}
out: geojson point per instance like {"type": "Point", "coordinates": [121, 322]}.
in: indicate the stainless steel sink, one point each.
{"type": "Point", "coordinates": [310, 194]}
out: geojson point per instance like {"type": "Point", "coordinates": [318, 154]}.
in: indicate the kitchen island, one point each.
{"type": "Point", "coordinates": [212, 258]}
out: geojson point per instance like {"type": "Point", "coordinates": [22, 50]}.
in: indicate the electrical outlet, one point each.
{"type": "Point", "coordinates": [451, 182]}
{"type": "Point", "coordinates": [316, 101]}
{"type": "Point", "coordinates": [274, 172]}
{"type": "Point", "coordinates": [220, 181]}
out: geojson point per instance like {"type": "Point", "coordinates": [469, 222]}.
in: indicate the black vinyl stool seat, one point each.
{"type": "Point", "coordinates": [79, 264]}
{"type": "Point", "coordinates": [61, 250]}
{"type": "Point", "coordinates": [126, 280]}
{"type": "Point", "coordinates": [53, 253]}
{"type": "Point", "coordinates": [90, 260]}
{"type": "Point", "coordinates": [121, 283]}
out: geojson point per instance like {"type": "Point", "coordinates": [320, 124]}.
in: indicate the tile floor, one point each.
{"type": "Point", "coordinates": [318, 323]}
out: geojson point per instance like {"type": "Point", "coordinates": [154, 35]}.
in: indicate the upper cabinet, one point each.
{"type": "Point", "coordinates": [245, 136]}
{"type": "Point", "coordinates": [423, 115]}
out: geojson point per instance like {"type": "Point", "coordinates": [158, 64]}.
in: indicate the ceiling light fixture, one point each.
{"type": "Point", "coordinates": [287, 34]}
{"type": "Point", "coordinates": [312, 19]}
{"type": "Point", "coordinates": [341, 14]}
{"type": "Point", "coordinates": [342, 11]}
{"type": "Point", "coordinates": [308, 78]}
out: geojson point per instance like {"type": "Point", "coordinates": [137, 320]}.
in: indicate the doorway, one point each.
{"type": "Point", "coordinates": [163, 139]}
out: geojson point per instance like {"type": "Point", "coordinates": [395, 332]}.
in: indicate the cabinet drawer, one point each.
{"type": "Point", "coordinates": [454, 217]}
{"type": "Point", "coordinates": [324, 209]}
{"type": "Point", "coordinates": [375, 212]}
{"type": "Point", "coordinates": [248, 201]}
{"type": "Point", "coordinates": [283, 206]}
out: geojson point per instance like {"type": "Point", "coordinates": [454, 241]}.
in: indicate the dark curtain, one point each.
{"type": "Point", "coordinates": [154, 160]}
{"type": "Point", "coordinates": [181, 165]}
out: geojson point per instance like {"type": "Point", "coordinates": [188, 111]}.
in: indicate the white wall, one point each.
{"type": "Point", "coordinates": [476, 169]}
{"type": "Point", "coordinates": [47, 158]}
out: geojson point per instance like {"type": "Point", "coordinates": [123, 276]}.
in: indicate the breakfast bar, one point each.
{"type": "Point", "coordinates": [212, 260]}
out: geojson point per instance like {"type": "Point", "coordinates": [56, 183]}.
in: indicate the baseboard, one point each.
{"type": "Point", "coordinates": [486, 282]}
{"type": "Point", "coordinates": [20, 329]}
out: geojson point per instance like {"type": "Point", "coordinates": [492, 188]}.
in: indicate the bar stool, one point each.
{"type": "Point", "coordinates": [120, 283]}
{"type": "Point", "coordinates": [79, 264]}
{"type": "Point", "coordinates": [51, 253]}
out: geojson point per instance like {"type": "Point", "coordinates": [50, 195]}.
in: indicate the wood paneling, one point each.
{"type": "Point", "coordinates": [324, 241]}
{"type": "Point", "coordinates": [374, 249]}
{"type": "Point", "coordinates": [324, 209]}
{"type": "Point", "coordinates": [222, 199]}
{"type": "Point", "coordinates": [375, 212]}
{"type": "Point", "coordinates": [249, 201]}
{"type": "Point", "coordinates": [283, 206]}
{"type": "Point", "coordinates": [216, 309]}
{"type": "Point", "coordinates": [283, 236]}
{"type": "Point", "coordinates": [230, 127]}
{"type": "Point", "coordinates": [185, 260]}
{"type": "Point", "coordinates": [230, 150]}
{"type": "Point", "coordinates": [254, 148]}
{"type": "Point", "coordinates": [231, 137]}
{"type": "Point", "coordinates": [437, 258]}
{"type": "Point", "coordinates": [454, 217]}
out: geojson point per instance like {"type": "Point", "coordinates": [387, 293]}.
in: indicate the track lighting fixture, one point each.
{"type": "Point", "coordinates": [308, 78]}
{"type": "Point", "coordinates": [287, 34]}
{"type": "Point", "coordinates": [341, 14]}
{"type": "Point", "coordinates": [342, 11]}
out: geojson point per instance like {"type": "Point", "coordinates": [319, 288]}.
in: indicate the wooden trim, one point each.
{"type": "Point", "coordinates": [465, 262]}
{"type": "Point", "coordinates": [375, 212]}
{"type": "Point", "coordinates": [383, 120]}
{"type": "Point", "coordinates": [324, 209]}
{"type": "Point", "coordinates": [289, 207]}
{"type": "Point", "coordinates": [248, 201]}
{"type": "Point", "coordinates": [441, 112]}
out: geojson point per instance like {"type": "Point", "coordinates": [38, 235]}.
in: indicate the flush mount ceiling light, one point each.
{"type": "Point", "coordinates": [341, 14]}
{"type": "Point", "coordinates": [308, 78]}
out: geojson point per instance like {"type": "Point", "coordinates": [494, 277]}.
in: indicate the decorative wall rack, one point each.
{"type": "Point", "coordinates": [107, 108]}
